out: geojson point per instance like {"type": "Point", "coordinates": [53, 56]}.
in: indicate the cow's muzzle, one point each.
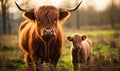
{"type": "Point", "coordinates": [48, 34]}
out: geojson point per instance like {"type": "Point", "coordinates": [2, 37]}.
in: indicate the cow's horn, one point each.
{"type": "Point", "coordinates": [73, 9]}
{"type": "Point", "coordinates": [24, 10]}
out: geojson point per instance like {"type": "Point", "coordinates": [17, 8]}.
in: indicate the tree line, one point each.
{"type": "Point", "coordinates": [90, 16]}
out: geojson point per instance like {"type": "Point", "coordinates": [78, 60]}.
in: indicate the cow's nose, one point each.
{"type": "Point", "coordinates": [48, 34]}
{"type": "Point", "coordinates": [48, 31]}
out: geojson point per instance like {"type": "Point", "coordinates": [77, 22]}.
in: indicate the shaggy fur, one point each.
{"type": "Point", "coordinates": [31, 41]}
{"type": "Point", "coordinates": [81, 50]}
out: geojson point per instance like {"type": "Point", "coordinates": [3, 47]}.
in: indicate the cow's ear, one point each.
{"type": "Point", "coordinates": [69, 38]}
{"type": "Point", "coordinates": [64, 15]}
{"type": "Point", "coordinates": [84, 37]}
{"type": "Point", "coordinates": [29, 15]}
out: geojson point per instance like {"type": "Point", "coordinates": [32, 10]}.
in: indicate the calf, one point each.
{"type": "Point", "coordinates": [81, 50]}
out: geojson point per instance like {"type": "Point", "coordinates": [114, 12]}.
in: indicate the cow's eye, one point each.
{"type": "Point", "coordinates": [55, 21]}
{"type": "Point", "coordinates": [39, 21]}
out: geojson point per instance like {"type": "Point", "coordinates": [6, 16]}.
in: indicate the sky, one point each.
{"type": "Point", "coordinates": [99, 5]}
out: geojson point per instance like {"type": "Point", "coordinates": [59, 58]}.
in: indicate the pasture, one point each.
{"type": "Point", "coordinates": [105, 57]}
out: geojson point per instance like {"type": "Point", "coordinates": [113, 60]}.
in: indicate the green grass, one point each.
{"type": "Point", "coordinates": [105, 43]}
{"type": "Point", "coordinates": [91, 32]}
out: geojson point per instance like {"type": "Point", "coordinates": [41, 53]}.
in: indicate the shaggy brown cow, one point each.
{"type": "Point", "coordinates": [40, 36]}
{"type": "Point", "coordinates": [81, 50]}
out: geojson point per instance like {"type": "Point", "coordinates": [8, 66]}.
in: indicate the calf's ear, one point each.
{"type": "Point", "coordinates": [69, 38]}
{"type": "Point", "coordinates": [84, 37]}
{"type": "Point", "coordinates": [63, 15]}
{"type": "Point", "coordinates": [29, 15]}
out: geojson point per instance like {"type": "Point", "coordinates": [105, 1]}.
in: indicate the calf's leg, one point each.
{"type": "Point", "coordinates": [75, 65]}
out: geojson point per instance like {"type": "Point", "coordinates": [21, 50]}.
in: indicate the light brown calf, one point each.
{"type": "Point", "coordinates": [81, 50]}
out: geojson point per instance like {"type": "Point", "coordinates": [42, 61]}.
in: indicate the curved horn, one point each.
{"type": "Point", "coordinates": [24, 10]}
{"type": "Point", "coordinates": [73, 9]}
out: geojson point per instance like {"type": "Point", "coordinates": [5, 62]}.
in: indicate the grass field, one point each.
{"type": "Point", "coordinates": [105, 57]}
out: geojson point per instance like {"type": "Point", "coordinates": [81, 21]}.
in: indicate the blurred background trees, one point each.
{"type": "Point", "coordinates": [84, 18]}
{"type": "Point", "coordinates": [89, 17]}
{"type": "Point", "coordinates": [7, 18]}
{"type": "Point", "coordinates": [5, 5]}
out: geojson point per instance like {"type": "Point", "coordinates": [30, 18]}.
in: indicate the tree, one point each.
{"type": "Point", "coordinates": [113, 13]}
{"type": "Point", "coordinates": [5, 6]}
{"type": "Point", "coordinates": [6, 19]}
{"type": "Point", "coordinates": [77, 17]}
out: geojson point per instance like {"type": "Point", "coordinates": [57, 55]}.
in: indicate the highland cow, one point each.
{"type": "Point", "coordinates": [81, 50]}
{"type": "Point", "coordinates": [41, 36]}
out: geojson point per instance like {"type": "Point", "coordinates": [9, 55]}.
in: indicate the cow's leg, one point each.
{"type": "Point", "coordinates": [37, 62]}
{"type": "Point", "coordinates": [54, 61]}
{"type": "Point", "coordinates": [83, 65]}
{"type": "Point", "coordinates": [75, 65]}
{"type": "Point", "coordinates": [88, 60]}
{"type": "Point", "coordinates": [75, 60]}
{"type": "Point", "coordinates": [28, 61]}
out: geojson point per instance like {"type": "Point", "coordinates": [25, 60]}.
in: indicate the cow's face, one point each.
{"type": "Point", "coordinates": [47, 20]}
{"type": "Point", "coordinates": [77, 39]}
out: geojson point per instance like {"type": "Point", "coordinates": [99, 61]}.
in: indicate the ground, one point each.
{"type": "Point", "coordinates": [105, 57]}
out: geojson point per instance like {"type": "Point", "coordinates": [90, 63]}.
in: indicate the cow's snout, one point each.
{"type": "Point", "coordinates": [48, 34]}
{"type": "Point", "coordinates": [48, 31]}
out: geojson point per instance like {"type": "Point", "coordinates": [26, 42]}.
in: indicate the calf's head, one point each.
{"type": "Point", "coordinates": [47, 19]}
{"type": "Point", "coordinates": [76, 40]}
